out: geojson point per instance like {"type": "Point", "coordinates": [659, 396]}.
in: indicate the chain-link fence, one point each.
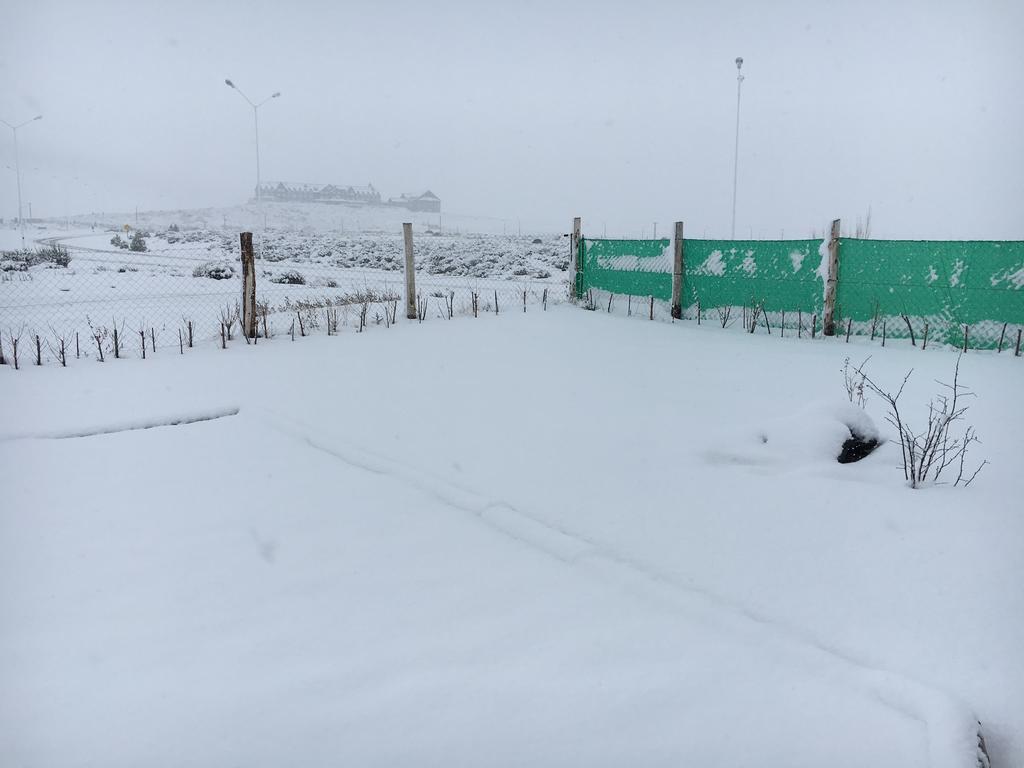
{"type": "Point", "coordinates": [104, 294]}
{"type": "Point", "coordinates": [360, 280]}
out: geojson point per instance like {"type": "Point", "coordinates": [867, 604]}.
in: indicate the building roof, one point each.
{"type": "Point", "coordinates": [307, 187]}
{"type": "Point", "coordinates": [408, 196]}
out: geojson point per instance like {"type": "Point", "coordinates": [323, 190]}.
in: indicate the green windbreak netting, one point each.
{"type": "Point", "coordinates": [948, 285]}
{"type": "Point", "coordinates": [895, 287]}
{"type": "Point", "coordinates": [780, 275]}
{"type": "Point", "coordinates": [634, 267]}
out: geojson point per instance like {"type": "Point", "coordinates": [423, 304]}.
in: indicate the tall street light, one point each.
{"type": "Point", "coordinates": [256, 122]}
{"type": "Point", "coordinates": [17, 169]}
{"type": "Point", "coordinates": [736, 156]}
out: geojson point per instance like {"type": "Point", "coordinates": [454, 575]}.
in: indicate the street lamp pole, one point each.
{"type": "Point", "coordinates": [17, 169]}
{"type": "Point", "coordinates": [736, 156]}
{"type": "Point", "coordinates": [256, 124]}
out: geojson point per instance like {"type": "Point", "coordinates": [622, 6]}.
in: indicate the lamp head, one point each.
{"type": "Point", "coordinates": [229, 83]}
{"type": "Point", "coordinates": [275, 94]}
{"type": "Point", "coordinates": [739, 62]}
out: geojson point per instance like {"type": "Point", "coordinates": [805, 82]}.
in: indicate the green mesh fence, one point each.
{"type": "Point", "coordinates": [631, 267]}
{"type": "Point", "coordinates": [779, 275]}
{"type": "Point", "coordinates": [946, 285]}
{"type": "Point", "coordinates": [895, 287]}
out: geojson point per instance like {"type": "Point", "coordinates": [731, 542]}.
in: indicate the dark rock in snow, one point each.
{"type": "Point", "coordinates": [856, 448]}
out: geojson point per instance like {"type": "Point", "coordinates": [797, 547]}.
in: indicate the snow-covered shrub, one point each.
{"type": "Point", "coordinates": [137, 243]}
{"type": "Point", "coordinates": [9, 264]}
{"type": "Point", "coordinates": [323, 282]}
{"type": "Point", "coordinates": [20, 261]}
{"type": "Point", "coordinates": [55, 255]}
{"type": "Point", "coordinates": [215, 270]}
{"type": "Point", "coordinates": [289, 277]}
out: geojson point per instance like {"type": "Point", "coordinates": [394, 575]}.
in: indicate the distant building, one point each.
{"type": "Point", "coordinates": [340, 194]}
{"type": "Point", "coordinates": [286, 192]}
{"type": "Point", "coordinates": [428, 202]}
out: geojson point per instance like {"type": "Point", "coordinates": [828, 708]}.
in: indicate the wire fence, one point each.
{"type": "Point", "coordinates": [114, 294]}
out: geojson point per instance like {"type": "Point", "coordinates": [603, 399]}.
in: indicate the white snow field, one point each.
{"type": "Point", "coordinates": [559, 538]}
{"type": "Point", "coordinates": [102, 287]}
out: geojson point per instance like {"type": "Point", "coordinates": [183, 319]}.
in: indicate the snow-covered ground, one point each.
{"type": "Point", "coordinates": [543, 538]}
{"type": "Point", "coordinates": [103, 286]}
{"type": "Point", "coordinates": [317, 217]}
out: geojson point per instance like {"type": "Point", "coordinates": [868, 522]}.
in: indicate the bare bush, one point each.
{"type": "Point", "coordinates": [59, 347]}
{"type": "Point", "coordinates": [228, 317]}
{"type": "Point", "coordinates": [942, 445]}
{"type": "Point", "coordinates": [755, 310]}
{"type": "Point", "coordinates": [855, 382]}
{"type": "Point", "coordinates": [332, 322]}
{"type": "Point", "coordinates": [15, 340]}
{"type": "Point", "coordinates": [99, 335]}
{"type": "Point", "coordinates": [725, 316]}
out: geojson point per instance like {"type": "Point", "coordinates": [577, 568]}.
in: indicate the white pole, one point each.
{"type": "Point", "coordinates": [17, 172]}
{"type": "Point", "coordinates": [256, 122]}
{"type": "Point", "coordinates": [736, 156]}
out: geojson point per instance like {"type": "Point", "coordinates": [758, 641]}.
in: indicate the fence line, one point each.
{"type": "Point", "coordinates": [88, 299]}
{"type": "Point", "coordinates": [947, 290]}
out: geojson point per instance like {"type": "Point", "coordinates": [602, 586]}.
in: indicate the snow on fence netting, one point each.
{"type": "Point", "coordinates": [630, 267]}
{"type": "Point", "coordinates": [72, 292]}
{"type": "Point", "coordinates": [944, 290]}
{"type": "Point", "coordinates": [946, 285]}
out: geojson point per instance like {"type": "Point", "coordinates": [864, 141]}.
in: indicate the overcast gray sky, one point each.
{"type": "Point", "coordinates": [622, 112]}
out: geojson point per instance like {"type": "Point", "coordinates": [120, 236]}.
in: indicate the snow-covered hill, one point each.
{"type": "Point", "coordinates": [316, 217]}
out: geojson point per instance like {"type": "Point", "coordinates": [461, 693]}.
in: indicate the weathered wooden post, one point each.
{"type": "Point", "coordinates": [248, 286]}
{"type": "Point", "coordinates": [677, 275]}
{"type": "Point", "coordinates": [410, 274]}
{"type": "Point", "coordinates": [829, 315]}
{"type": "Point", "coordinates": [575, 260]}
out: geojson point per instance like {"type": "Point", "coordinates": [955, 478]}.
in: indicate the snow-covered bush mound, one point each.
{"type": "Point", "coordinates": [814, 434]}
{"type": "Point", "coordinates": [289, 277]}
{"type": "Point", "coordinates": [215, 270]}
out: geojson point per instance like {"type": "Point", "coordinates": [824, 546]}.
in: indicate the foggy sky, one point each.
{"type": "Point", "coordinates": [623, 113]}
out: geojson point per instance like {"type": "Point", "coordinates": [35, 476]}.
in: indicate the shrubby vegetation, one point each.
{"type": "Point", "coordinates": [22, 260]}
{"type": "Point", "coordinates": [289, 277]}
{"type": "Point", "coordinates": [215, 270]}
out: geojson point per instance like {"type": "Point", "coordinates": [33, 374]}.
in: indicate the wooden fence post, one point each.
{"type": "Point", "coordinates": [248, 286]}
{"type": "Point", "coordinates": [575, 261]}
{"type": "Point", "coordinates": [829, 316]}
{"type": "Point", "coordinates": [677, 274]}
{"type": "Point", "coordinates": [410, 274]}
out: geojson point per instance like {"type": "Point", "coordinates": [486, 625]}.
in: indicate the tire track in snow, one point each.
{"type": "Point", "coordinates": [951, 728]}
{"type": "Point", "coordinates": [126, 426]}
